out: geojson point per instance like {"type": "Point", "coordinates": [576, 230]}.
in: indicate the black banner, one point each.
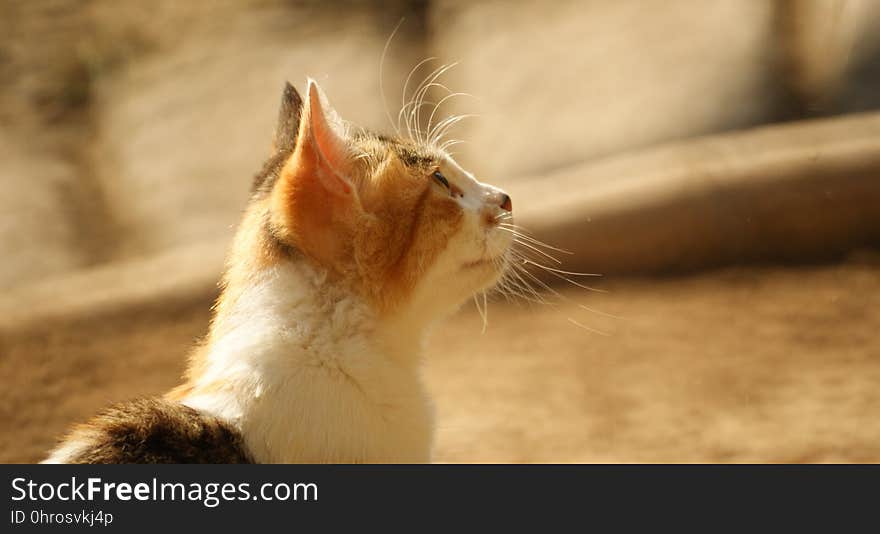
{"type": "Point", "coordinates": [416, 498]}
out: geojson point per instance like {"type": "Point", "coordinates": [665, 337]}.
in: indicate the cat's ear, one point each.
{"type": "Point", "coordinates": [324, 151]}
{"type": "Point", "coordinates": [289, 117]}
{"type": "Point", "coordinates": [315, 204]}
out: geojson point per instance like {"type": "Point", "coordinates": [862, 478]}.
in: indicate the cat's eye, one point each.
{"type": "Point", "coordinates": [441, 179]}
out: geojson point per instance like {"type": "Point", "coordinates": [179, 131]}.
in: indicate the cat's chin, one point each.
{"type": "Point", "coordinates": [486, 272]}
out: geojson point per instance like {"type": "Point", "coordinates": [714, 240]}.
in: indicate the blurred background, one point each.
{"type": "Point", "coordinates": [718, 162]}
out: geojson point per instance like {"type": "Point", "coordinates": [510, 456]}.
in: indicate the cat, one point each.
{"type": "Point", "coordinates": [352, 246]}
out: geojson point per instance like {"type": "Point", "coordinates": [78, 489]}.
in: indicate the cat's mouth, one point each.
{"type": "Point", "coordinates": [479, 263]}
{"type": "Point", "coordinates": [489, 261]}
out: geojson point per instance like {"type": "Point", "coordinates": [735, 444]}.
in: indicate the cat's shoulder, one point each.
{"type": "Point", "coordinates": [151, 430]}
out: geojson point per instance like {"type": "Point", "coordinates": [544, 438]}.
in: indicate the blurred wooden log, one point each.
{"type": "Point", "coordinates": [805, 191]}
{"type": "Point", "coordinates": [116, 291]}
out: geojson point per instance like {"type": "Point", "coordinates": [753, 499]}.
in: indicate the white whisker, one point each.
{"type": "Point", "coordinates": [436, 107]}
{"type": "Point", "coordinates": [449, 143]}
{"type": "Point", "coordinates": [535, 249]}
{"type": "Point", "coordinates": [403, 103]}
{"type": "Point", "coordinates": [443, 126]}
{"type": "Point", "coordinates": [517, 272]}
{"type": "Point", "coordinates": [598, 312]}
{"type": "Point", "coordinates": [421, 91]}
{"type": "Point", "coordinates": [382, 77]}
{"type": "Point", "coordinates": [587, 328]}
{"type": "Point", "coordinates": [482, 310]}
{"type": "Point", "coordinates": [542, 284]}
{"type": "Point", "coordinates": [534, 241]}
{"type": "Point", "coordinates": [560, 271]}
{"type": "Point", "coordinates": [569, 280]}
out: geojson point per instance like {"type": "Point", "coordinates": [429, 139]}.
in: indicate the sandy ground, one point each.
{"type": "Point", "coordinates": [737, 366]}
{"type": "Point", "coordinates": [742, 365]}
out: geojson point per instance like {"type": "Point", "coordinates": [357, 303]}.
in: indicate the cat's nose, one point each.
{"type": "Point", "coordinates": [495, 199]}
{"type": "Point", "coordinates": [506, 203]}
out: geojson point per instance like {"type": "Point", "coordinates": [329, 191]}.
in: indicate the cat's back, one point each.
{"type": "Point", "coordinates": [151, 431]}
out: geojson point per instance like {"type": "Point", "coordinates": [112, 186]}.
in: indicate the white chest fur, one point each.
{"type": "Point", "coordinates": [303, 373]}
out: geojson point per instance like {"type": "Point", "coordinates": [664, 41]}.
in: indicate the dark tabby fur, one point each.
{"type": "Point", "coordinates": [284, 141]}
{"type": "Point", "coordinates": [408, 153]}
{"type": "Point", "coordinates": [156, 431]}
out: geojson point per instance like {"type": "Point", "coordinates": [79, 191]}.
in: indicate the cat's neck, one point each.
{"type": "Point", "coordinates": [288, 343]}
{"type": "Point", "coordinates": [296, 297]}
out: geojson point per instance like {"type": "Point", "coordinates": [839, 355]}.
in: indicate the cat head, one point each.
{"type": "Point", "coordinates": [396, 219]}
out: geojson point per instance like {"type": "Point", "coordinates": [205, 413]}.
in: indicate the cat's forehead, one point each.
{"type": "Point", "coordinates": [410, 153]}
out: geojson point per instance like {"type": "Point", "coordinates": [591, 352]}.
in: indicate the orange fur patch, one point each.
{"type": "Point", "coordinates": [410, 224]}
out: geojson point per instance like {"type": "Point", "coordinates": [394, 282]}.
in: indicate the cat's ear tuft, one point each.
{"type": "Point", "coordinates": [289, 117]}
